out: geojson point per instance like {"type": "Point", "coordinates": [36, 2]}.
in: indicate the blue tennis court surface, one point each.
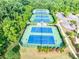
{"type": "Point", "coordinates": [42, 20]}
{"type": "Point", "coordinates": [41, 39]}
{"type": "Point", "coordinates": [41, 30]}
{"type": "Point", "coordinates": [41, 11]}
{"type": "Point", "coordinates": [42, 17]}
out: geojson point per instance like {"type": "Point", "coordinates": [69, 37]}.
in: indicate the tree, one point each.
{"type": "Point", "coordinates": [25, 2]}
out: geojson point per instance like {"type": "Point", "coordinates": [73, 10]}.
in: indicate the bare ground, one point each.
{"type": "Point", "coordinates": [32, 53]}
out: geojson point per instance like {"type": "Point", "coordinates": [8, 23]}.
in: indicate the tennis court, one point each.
{"type": "Point", "coordinates": [41, 11]}
{"type": "Point", "coordinates": [35, 35]}
{"type": "Point", "coordinates": [41, 29]}
{"type": "Point", "coordinates": [41, 39]}
{"type": "Point", "coordinates": [41, 18]}
{"type": "Point", "coordinates": [38, 16]}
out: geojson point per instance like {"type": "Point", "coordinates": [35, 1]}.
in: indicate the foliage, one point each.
{"type": "Point", "coordinates": [71, 55]}
{"type": "Point", "coordinates": [13, 54]}
{"type": "Point", "coordinates": [13, 18]}
{"type": "Point", "coordinates": [43, 49]}
{"type": "Point", "coordinates": [78, 35]}
{"type": "Point", "coordinates": [14, 14]}
{"type": "Point", "coordinates": [77, 46]}
{"type": "Point", "coordinates": [62, 49]}
{"type": "Point", "coordinates": [57, 5]}
{"type": "Point", "coordinates": [73, 22]}
{"type": "Point", "coordinates": [71, 34]}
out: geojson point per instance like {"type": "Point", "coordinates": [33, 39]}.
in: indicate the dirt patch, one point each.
{"type": "Point", "coordinates": [32, 53]}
